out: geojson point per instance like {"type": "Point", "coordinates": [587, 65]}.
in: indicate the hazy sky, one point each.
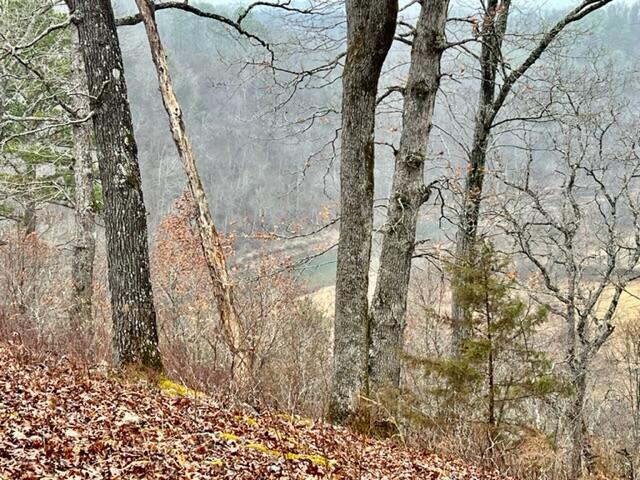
{"type": "Point", "coordinates": [521, 4]}
{"type": "Point", "coordinates": [547, 3]}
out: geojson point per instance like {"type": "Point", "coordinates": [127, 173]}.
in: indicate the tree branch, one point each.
{"type": "Point", "coordinates": [184, 6]}
{"type": "Point", "coordinates": [578, 13]}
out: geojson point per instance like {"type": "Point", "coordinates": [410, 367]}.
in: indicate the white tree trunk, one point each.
{"type": "Point", "coordinates": [214, 255]}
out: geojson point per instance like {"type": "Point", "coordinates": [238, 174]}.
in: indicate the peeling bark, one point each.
{"type": "Point", "coordinates": [135, 336]}
{"type": "Point", "coordinates": [210, 240]}
{"type": "Point", "coordinates": [370, 29]}
{"type": "Point", "coordinates": [408, 193]}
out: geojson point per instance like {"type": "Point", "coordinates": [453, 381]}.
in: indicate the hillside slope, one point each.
{"type": "Point", "coordinates": [59, 421]}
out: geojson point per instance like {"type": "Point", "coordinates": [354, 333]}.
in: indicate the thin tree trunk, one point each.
{"type": "Point", "coordinates": [214, 255]}
{"type": "Point", "coordinates": [494, 28]}
{"type": "Point", "coordinates": [370, 29]}
{"type": "Point", "coordinates": [135, 336]}
{"type": "Point", "coordinates": [491, 416]}
{"type": "Point", "coordinates": [576, 418]}
{"type": "Point", "coordinates": [408, 193]}
{"type": "Point", "coordinates": [29, 218]}
{"type": "Point", "coordinates": [84, 239]}
{"type": "Point", "coordinates": [577, 360]}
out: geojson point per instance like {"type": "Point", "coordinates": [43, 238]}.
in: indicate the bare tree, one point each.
{"type": "Point", "coordinates": [580, 231]}
{"type": "Point", "coordinates": [408, 194]}
{"type": "Point", "coordinates": [135, 336]}
{"type": "Point", "coordinates": [370, 30]}
{"type": "Point", "coordinates": [494, 60]}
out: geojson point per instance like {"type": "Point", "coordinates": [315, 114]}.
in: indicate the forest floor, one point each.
{"type": "Point", "coordinates": [62, 421]}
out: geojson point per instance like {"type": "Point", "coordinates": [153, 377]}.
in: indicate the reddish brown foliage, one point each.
{"type": "Point", "coordinates": [35, 302]}
{"type": "Point", "coordinates": [284, 334]}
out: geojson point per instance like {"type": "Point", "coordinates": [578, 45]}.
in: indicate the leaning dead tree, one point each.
{"type": "Point", "coordinates": [493, 94]}
{"type": "Point", "coordinates": [578, 228]}
{"type": "Point", "coordinates": [210, 240]}
{"type": "Point", "coordinates": [370, 29]}
{"type": "Point", "coordinates": [209, 237]}
{"type": "Point", "coordinates": [408, 194]}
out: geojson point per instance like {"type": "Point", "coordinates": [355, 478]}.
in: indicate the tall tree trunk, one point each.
{"type": "Point", "coordinates": [84, 242]}
{"type": "Point", "coordinates": [493, 30]}
{"type": "Point", "coordinates": [135, 336]}
{"type": "Point", "coordinates": [408, 193]}
{"type": "Point", "coordinates": [370, 29]}
{"type": "Point", "coordinates": [214, 255]}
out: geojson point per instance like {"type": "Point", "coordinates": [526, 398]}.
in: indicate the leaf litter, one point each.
{"type": "Point", "coordinates": [58, 421]}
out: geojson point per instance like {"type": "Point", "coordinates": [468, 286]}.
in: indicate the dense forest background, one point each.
{"type": "Point", "coordinates": [268, 162]}
{"type": "Point", "coordinates": [272, 164]}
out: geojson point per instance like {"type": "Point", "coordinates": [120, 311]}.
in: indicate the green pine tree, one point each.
{"type": "Point", "coordinates": [499, 367]}
{"type": "Point", "coordinates": [35, 136]}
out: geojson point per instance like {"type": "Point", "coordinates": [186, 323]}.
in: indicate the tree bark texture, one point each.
{"type": "Point", "coordinates": [370, 30]}
{"type": "Point", "coordinates": [84, 239]}
{"type": "Point", "coordinates": [212, 249]}
{"type": "Point", "coordinates": [408, 193]}
{"type": "Point", "coordinates": [135, 336]}
{"type": "Point", "coordinates": [575, 417]}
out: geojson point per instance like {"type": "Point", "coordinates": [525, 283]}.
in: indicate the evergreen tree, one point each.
{"type": "Point", "coordinates": [498, 366]}
{"type": "Point", "coordinates": [35, 134]}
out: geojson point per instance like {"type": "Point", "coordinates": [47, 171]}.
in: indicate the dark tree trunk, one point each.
{"type": "Point", "coordinates": [84, 242]}
{"type": "Point", "coordinates": [370, 30]}
{"type": "Point", "coordinates": [135, 336]}
{"type": "Point", "coordinates": [408, 193]}
{"type": "Point", "coordinates": [494, 28]}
